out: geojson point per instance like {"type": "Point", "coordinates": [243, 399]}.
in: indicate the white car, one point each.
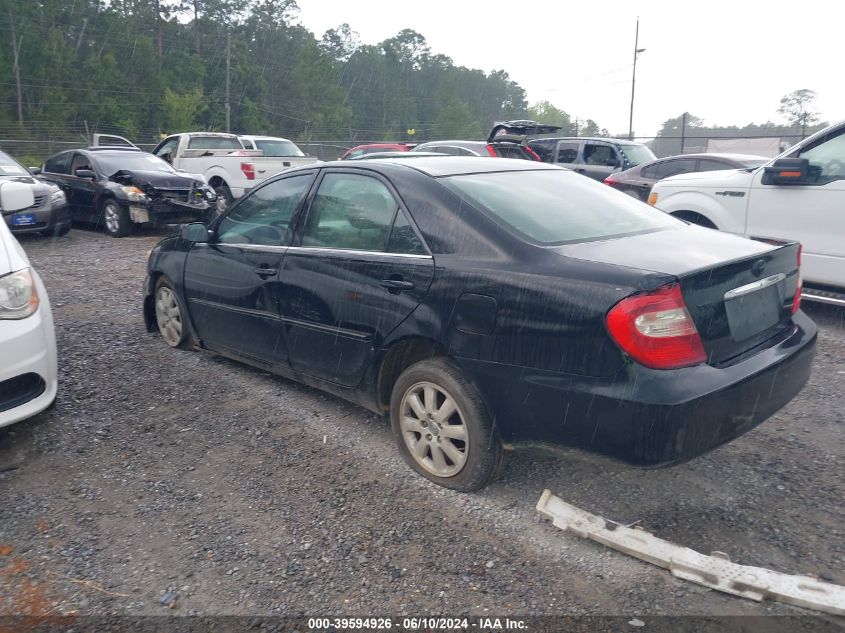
{"type": "Point", "coordinates": [800, 195]}
{"type": "Point", "coordinates": [28, 368]}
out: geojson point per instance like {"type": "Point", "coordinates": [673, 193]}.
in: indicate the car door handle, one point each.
{"type": "Point", "coordinates": [396, 286]}
{"type": "Point", "coordinates": [265, 271]}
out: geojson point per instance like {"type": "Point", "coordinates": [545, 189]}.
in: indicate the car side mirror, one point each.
{"type": "Point", "coordinates": [15, 196]}
{"type": "Point", "coordinates": [34, 170]}
{"type": "Point", "coordinates": [787, 171]}
{"type": "Point", "coordinates": [85, 173]}
{"type": "Point", "coordinates": [195, 232]}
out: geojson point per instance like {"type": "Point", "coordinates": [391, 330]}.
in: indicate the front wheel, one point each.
{"type": "Point", "coordinates": [115, 219]}
{"type": "Point", "coordinates": [442, 427]}
{"type": "Point", "coordinates": [170, 317]}
{"type": "Point", "coordinates": [224, 197]}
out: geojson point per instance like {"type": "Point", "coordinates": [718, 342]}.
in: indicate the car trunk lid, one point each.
{"type": "Point", "coordinates": [738, 291]}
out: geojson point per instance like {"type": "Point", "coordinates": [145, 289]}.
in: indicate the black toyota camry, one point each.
{"type": "Point", "coordinates": [483, 304]}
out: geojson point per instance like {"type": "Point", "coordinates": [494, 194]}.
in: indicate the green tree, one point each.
{"type": "Point", "coordinates": [798, 108]}
{"type": "Point", "coordinates": [182, 110]}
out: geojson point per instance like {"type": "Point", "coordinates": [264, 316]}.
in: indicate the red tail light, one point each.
{"type": "Point", "coordinates": [534, 155]}
{"type": "Point", "coordinates": [796, 300]}
{"type": "Point", "coordinates": [249, 170]}
{"type": "Point", "coordinates": [610, 180]}
{"type": "Point", "coordinates": [491, 150]}
{"type": "Point", "coordinates": [656, 330]}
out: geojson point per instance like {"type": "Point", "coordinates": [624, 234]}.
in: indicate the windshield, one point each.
{"type": "Point", "coordinates": [10, 167]}
{"type": "Point", "coordinates": [134, 161]}
{"type": "Point", "coordinates": [278, 148]}
{"type": "Point", "coordinates": [558, 206]}
{"type": "Point", "coordinates": [637, 154]}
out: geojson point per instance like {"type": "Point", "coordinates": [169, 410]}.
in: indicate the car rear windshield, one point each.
{"type": "Point", "coordinates": [637, 154]}
{"type": "Point", "coordinates": [110, 164]}
{"type": "Point", "coordinates": [214, 142]}
{"type": "Point", "coordinates": [557, 206]}
{"type": "Point", "coordinates": [279, 148]}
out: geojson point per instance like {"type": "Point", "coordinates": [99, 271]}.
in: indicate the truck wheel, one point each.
{"type": "Point", "coordinates": [695, 218]}
{"type": "Point", "coordinates": [442, 427]}
{"type": "Point", "coordinates": [224, 197]}
{"type": "Point", "coordinates": [115, 219]}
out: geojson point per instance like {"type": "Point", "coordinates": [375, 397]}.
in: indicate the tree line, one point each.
{"type": "Point", "coordinates": [147, 67]}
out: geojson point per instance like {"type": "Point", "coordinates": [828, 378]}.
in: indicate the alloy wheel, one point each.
{"type": "Point", "coordinates": [433, 429]}
{"type": "Point", "coordinates": [168, 316]}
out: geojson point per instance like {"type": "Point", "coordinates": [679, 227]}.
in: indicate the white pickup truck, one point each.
{"type": "Point", "coordinates": [228, 167]}
{"type": "Point", "coordinates": [799, 195]}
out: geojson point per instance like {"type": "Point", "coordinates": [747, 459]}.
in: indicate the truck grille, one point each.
{"type": "Point", "coordinates": [39, 202]}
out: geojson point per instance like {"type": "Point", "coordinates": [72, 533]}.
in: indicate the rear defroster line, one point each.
{"type": "Point", "coordinates": [715, 571]}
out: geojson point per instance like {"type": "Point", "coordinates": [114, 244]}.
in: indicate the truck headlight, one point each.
{"type": "Point", "coordinates": [134, 194]}
{"type": "Point", "coordinates": [18, 296]}
{"type": "Point", "coordinates": [57, 198]}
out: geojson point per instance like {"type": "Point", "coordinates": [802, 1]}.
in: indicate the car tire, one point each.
{"type": "Point", "coordinates": [58, 230]}
{"type": "Point", "coordinates": [224, 197]}
{"type": "Point", "coordinates": [170, 316]}
{"type": "Point", "coordinates": [694, 218]}
{"type": "Point", "coordinates": [115, 219]}
{"type": "Point", "coordinates": [442, 427]}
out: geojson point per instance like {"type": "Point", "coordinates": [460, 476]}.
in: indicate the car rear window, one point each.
{"type": "Point", "coordinates": [214, 142]}
{"type": "Point", "coordinates": [10, 167]}
{"type": "Point", "coordinates": [279, 148]}
{"type": "Point", "coordinates": [557, 206]}
{"type": "Point", "coordinates": [637, 154]}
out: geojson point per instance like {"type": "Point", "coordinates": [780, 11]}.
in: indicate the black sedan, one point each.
{"type": "Point", "coordinates": [49, 214]}
{"type": "Point", "coordinates": [637, 181]}
{"type": "Point", "coordinates": [119, 188]}
{"type": "Point", "coordinates": [484, 304]}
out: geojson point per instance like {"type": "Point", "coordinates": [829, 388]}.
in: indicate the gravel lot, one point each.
{"type": "Point", "coordinates": [236, 492]}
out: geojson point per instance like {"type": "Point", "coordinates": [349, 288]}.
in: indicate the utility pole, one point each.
{"type": "Point", "coordinates": [683, 130]}
{"type": "Point", "coordinates": [637, 52]}
{"type": "Point", "coordinates": [228, 72]}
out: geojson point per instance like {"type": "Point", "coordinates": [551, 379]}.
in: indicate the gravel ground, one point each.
{"type": "Point", "coordinates": [178, 479]}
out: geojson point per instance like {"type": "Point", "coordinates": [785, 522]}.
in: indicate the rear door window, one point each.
{"type": "Point", "coordinates": [567, 152]}
{"type": "Point", "coordinates": [675, 167]}
{"type": "Point", "coordinates": [600, 155]}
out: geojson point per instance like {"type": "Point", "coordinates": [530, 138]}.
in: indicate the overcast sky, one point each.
{"type": "Point", "coordinates": [727, 62]}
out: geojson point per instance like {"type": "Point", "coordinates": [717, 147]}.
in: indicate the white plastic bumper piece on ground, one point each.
{"type": "Point", "coordinates": [715, 571]}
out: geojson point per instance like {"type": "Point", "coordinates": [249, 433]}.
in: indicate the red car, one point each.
{"type": "Point", "coordinates": [372, 148]}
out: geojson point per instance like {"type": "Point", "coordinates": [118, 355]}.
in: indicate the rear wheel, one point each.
{"type": "Point", "coordinates": [115, 219]}
{"type": "Point", "coordinates": [442, 427]}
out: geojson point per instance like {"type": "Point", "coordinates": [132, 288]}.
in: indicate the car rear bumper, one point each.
{"type": "Point", "coordinates": [28, 373]}
{"type": "Point", "coordinates": [650, 417]}
{"type": "Point", "coordinates": [46, 220]}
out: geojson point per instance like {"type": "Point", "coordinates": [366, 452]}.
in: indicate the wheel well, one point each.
{"type": "Point", "coordinates": [149, 308]}
{"type": "Point", "coordinates": [215, 181]}
{"type": "Point", "coordinates": [694, 218]}
{"type": "Point", "coordinates": [397, 359]}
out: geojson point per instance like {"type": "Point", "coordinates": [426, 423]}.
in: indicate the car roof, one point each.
{"type": "Point", "coordinates": [616, 141]}
{"type": "Point", "coordinates": [113, 151]}
{"type": "Point", "coordinates": [439, 166]}
{"type": "Point", "coordinates": [725, 155]}
{"type": "Point", "coordinates": [263, 138]}
{"type": "Point", "coordinates": [402, 155]}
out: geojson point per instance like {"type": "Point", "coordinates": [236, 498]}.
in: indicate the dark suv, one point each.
{"type": "Point", "coordinates": [593, 157]}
